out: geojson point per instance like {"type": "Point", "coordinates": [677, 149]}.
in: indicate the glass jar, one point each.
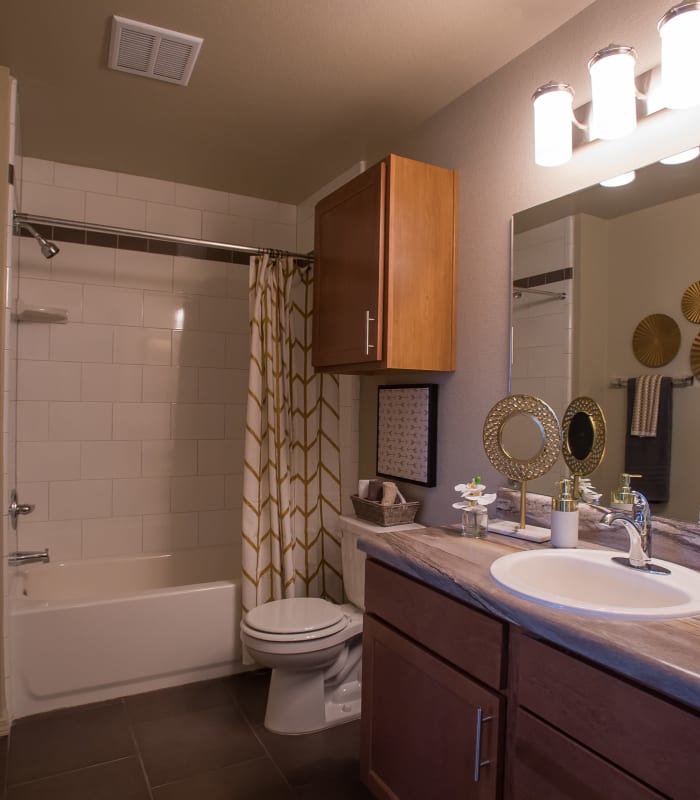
{"type": "Point", "coordinates": [475, 520]}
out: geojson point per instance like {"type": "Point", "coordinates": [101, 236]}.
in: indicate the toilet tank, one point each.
{"type": "Point", "coordinates": [351, 528]}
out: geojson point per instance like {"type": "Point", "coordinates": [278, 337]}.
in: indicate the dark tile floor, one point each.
{"type": "Point", "coordinates": [204, 741]}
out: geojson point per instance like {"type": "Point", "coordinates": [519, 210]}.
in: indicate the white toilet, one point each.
{"type": "Point", "coordinates": [314, 647]}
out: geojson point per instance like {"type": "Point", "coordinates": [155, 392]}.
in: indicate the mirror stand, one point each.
{"type": "Point", "coordinates": [521, 466]}
{"type": "Point", "coordinates": [520, 529]}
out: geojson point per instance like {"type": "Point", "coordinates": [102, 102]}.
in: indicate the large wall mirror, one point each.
{"type": "Point", "coordinates": [587, 269]}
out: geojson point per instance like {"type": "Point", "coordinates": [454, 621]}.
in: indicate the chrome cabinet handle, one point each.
{"type": "Point", "coordinates": [368, 319]}
{"type": "Point", "coordinates": [478, 763]}
{"type": "Point", "coordinates": [17, 508]}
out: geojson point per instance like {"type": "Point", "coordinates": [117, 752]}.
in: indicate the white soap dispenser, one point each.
{"type": "Point", "coordinates": [565, 516]}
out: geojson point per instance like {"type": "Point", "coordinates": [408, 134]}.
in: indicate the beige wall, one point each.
{"type": "Point", "coordinates": [654, 256]}
{"type": "Point", "coordinates": [487, 136]}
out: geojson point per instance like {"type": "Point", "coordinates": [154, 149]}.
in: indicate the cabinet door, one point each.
{"type": "Point", "coordinates": [428, 731]}
{"type": "Point", "coordinates": [547, 764]}
{"type": "Point", "coordinates": [349, 273]}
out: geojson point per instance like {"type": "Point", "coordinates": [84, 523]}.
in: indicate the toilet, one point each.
{"type": "Point", "coordinates": [314, 647]}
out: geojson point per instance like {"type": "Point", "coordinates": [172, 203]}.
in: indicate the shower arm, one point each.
{"type": "Point", "coordinates": [20, 219]}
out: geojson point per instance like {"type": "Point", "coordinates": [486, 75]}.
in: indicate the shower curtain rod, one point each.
{"type": "Point", "coordinates": [19, 218]}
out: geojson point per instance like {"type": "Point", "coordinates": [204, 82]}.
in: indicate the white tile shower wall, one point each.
{"type": "Point", "coordinates": [543, 325]}
{"type": "Point", "coordinates": [132, 415]}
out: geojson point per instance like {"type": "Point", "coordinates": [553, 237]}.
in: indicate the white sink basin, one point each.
{"type": "Point", "coordinates": [590, 582]}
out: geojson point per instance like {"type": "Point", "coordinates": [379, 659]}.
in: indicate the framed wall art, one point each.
{"type": "Point", "coordinates": [407, 432]}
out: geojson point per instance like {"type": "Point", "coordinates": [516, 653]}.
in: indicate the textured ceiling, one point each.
{"type": "Point", "coordinates": [286, 93]}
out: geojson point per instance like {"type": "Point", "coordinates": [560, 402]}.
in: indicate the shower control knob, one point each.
{"type": "Point", "coordinates": [18, 508]}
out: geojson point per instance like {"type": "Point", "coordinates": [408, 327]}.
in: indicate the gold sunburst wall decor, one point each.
{"type": "Point", "coordinates": [695, 357]}
{"type": "Point", "coordinates": [690, 302]}
{"type": "Point", "coordinates": [656, 340]}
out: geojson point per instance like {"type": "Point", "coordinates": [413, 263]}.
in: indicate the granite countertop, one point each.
{"type": "Point", "coordinates": [663, 655]}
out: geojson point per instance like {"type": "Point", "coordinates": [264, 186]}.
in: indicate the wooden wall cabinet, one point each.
{"type": "Point", "coordinates": [384, 271]}
{"type": "Point", "coordinates": [429, 728]}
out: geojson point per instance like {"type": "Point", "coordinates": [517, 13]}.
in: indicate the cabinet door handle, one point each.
{"type": "Point", "coordinates": [368, 318]}
{"type": "Point", "coordinates": [478, 763]}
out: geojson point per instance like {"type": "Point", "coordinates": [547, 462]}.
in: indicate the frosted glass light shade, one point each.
{"type": "Point", "coordinates": [618, 180]}
{"type": "Point", "coordinates": [679, 29]}
{"type": "Point", "coordinates": [552, 105]}
{"type": "Point", "coordinates": [613, 92]}
{"type": "Point", "coordinates": [681, 158]}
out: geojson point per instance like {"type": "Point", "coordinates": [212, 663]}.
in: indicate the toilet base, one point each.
{"type": "Point", "coordinates": [309, 701]}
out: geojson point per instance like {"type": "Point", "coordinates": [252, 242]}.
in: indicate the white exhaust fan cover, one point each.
{"type": "Point", "coordinates": [152, 52]}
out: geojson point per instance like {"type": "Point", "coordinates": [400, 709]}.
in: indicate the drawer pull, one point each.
{"type": "Point", "coordinates": [478, 763]}
{"type": "Point", "coordinates": [368, 318]}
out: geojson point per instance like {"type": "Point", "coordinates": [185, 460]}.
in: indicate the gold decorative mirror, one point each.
{"type": "Point", "coordinates": [583, 434]}
{"type": "Point", "coordinates": [522, 440]}
{"type": "Point", "coordinates": [656, 340]}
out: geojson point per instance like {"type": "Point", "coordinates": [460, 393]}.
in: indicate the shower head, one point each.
{"type": "Point", "coordinates": [48, 249]}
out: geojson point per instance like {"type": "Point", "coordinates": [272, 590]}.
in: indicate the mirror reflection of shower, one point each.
{"type": "Point", "coordinates": [48, 249]}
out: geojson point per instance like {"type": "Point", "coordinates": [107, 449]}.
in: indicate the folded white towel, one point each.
{"type": "Point", "coordinates": [645, 413]}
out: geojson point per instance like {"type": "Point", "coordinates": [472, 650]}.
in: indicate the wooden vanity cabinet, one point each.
{"type": "Point", "coordinates": [432, 711]}
{"type": "Point", "coordinates": [583, 733]}
{"type": "Point", "coordinates": [384, 271]}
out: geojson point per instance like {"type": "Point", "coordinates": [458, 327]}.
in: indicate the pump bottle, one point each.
{"type": "Point", "coordinates": [565, 516]}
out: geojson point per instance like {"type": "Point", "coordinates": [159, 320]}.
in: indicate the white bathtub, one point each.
{"type": "Point", "coordinates": [90, 630]}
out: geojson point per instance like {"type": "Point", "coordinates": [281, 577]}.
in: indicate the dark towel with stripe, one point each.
{"type": "Point", "coordinates": [650, 457]}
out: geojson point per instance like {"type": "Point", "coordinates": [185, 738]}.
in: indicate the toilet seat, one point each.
{"type": "Point", "coordinates": [295, 619]}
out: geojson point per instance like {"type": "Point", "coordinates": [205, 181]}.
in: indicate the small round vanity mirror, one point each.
{"type": "Point", "coordinates": [583, 429]}
{"type": "Point", "coordinates": [522, 438]}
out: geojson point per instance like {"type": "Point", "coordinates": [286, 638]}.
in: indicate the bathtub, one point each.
{"type": "Point", "coordinates": [91, 630]}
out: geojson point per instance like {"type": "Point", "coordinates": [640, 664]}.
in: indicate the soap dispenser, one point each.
{"type": "Point", "coordinates": [621, 499]}
{"type": "Point", "coordinates": [565, 516]}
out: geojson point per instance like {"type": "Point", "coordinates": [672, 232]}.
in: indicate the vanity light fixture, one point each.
{"type": "Point", "coordinates": [679, 29]}
{"type": "Point", "coordinates": [553, 107]}
{"type": "Point", "coordinates": [612, 112]}
{"type": "Point", "coordinates": [681, 158]}
{"type": "Point", "coordinates": [618, 180]}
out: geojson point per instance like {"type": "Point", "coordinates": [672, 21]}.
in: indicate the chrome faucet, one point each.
{"type": "Point", "coordinates": [23, 557]}
{"type": "Point", "coordinates": [638, 527]}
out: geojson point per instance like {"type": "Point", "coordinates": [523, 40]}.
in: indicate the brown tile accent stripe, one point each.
{"type": "Point", "coordinates": [79, 236]}
{"type": "Point", "coordinates": [544, 278]}
{"type": "Point", "coordinates": [11, 174]}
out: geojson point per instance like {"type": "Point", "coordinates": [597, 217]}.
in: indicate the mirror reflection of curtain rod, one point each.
{"type": "Point", "coordinates": [518, 293]}
{"type": "Point", "coordinates": [679, 383]}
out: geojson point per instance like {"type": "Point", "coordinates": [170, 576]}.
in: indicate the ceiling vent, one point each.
{"type": "Point", "coordinates": [152, 52]}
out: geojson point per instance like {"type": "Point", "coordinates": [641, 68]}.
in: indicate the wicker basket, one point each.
{"type": "Point", "coordinates": [372, 511]}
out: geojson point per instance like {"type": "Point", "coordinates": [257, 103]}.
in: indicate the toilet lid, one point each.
{"type": "Point", "coordinates": [296, 615]}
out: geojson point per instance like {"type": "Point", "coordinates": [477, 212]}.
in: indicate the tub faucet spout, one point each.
{"type": "Point", "coordinates": [23, 557]}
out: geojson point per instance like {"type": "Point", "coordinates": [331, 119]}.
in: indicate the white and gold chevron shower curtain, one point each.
{"type": "Point", "coordinates": [291, 480]}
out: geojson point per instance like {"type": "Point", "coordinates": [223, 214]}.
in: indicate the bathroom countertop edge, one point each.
{"type": "Point", "coordinates": [662, 655]}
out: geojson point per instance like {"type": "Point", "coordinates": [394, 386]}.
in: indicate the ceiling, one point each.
{"type": "Point", "coordinates": [286, 94]}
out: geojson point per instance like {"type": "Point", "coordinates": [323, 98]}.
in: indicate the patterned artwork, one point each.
{"type": "Point", "coordinates": [407, 432]}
